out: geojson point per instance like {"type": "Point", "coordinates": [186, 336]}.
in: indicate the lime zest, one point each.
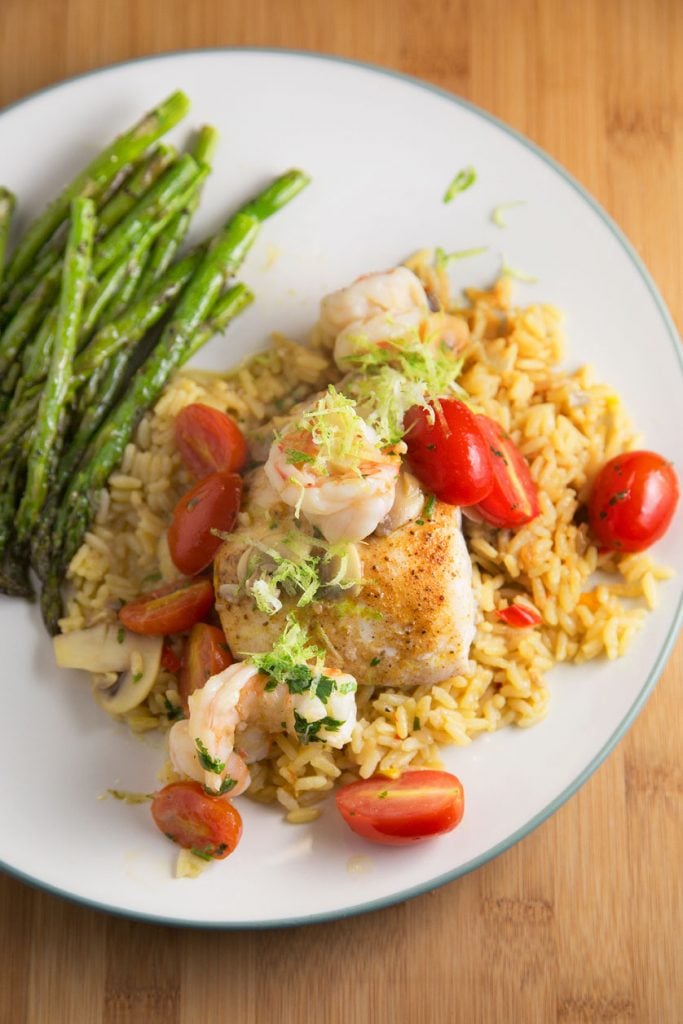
{"type": "Point", "coordinates": [497, 214]}
{"type": "Point", "coordinates": [463, 180]}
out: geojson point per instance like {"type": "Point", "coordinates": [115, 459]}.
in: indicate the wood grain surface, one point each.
{"type": "Point", "coordinates": [582, 920]}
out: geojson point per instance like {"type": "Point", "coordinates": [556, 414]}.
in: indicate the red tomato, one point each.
{"type": "Point", "coordinates": [416, 806]}
{"type": "Point", "coordinates": [449, 456]}
{"type": "Point", "coordinates": [169, 659]}
{"type": "Point", "coordinates": [212, 504]}
{"type": "Point", "coordinates": [209, 441]}
{"type": "Point", "coordinates": [513, 499]}
{"type": "Point", "coordinates": [633, 501]}
{"type": "Point", "coordinates": [519, 616]}
{"type": "Point", "coordinates": [170, 609]}
{"type": "Point", "coordinates": [208, 825]}
{"type": "Point", "coordinates": [206, 654]}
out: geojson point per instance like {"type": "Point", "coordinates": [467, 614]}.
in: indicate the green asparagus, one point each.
{"type": "Point", "coordinates": [122, 202]}
{"type": "Point", "coordinates": [147, 214]}
{"type": "Point", "coordinates": [171, 238]}
{"type": "Point", "coordinates": [127, 148]}
{"type": "Point", "coordinates": [7, 204]}
{"type": "Point", "coordinates": [22, 325]}
{"type": "Point", "coordinates": [74, 281]}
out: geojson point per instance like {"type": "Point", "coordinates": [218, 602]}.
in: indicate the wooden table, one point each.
{"type": "Point", "coordinates": [581, 921]}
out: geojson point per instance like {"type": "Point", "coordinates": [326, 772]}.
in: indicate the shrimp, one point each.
{"type": "Point", "coordinates": [207, 737]}
{"type": "Point", "coordinates": [329, 467]}
{"type": "Point", "coordinates": [391, 291]}
{"type": "Point", "coordinates": [234, 716]}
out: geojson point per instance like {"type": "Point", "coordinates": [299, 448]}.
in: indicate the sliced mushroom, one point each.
{"type": "Point", "coordinates": [352, 570]}
{"type": "Point", "coordinates": [108, 648]}
{"type": "Point", "coordinates": [408, 503]}
{"type": "Point", "coordinates": [134, 685]}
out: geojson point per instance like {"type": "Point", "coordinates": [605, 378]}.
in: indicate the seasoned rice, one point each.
{"type": "Point", "coordinates": [567, 424]}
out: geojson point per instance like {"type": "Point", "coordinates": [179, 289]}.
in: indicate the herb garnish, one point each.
{"type": "Point", "coordinates": [463, 180]}
{"type": "Point", "coordinates": [443, 258]}
{"type": "Point", "coordinates": [208, 763]}
{"type": "Point", "coordinates": [498, 211]}
{"type": "Point", "coordinates": [307, 732]}
{"type": "Point", "coordinates": [173, 711]}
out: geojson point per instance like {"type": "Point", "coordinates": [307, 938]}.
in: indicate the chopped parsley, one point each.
{"type": "Point", "coordinates": [463, 180]}
{"type": "Point", "coordinates": [173, 711]}
{"type": "Point", "coordinates": [416, 724]}
{"type": "Point", "coordinates": [208, 763]}
{"type": "Point", "coordinates": [137, 677]}
{"type": "Point", "coordinates": [428, 510]}
{"type": "Point", "coordinates": [383, 795]}
{"type": "Point", "coordinates": [307, 731]}
{"type": "Point", "coordinates": [152, 577]}
{"type": "Point", "coordinates": [200, 853]}
{"type": "Point", "coordinates": [130, 798]}
{"type": "Point", "coordinates": [288, 660]}
{"type": "Point", "coordinates": [227, 784]}
{"type": "Point", "coordinates": [375, 661]}
{"type": "Point", "coordinates": [120, 635]}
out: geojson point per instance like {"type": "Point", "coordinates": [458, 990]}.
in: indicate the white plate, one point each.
{"type": "Point", "coordinates": [381, 149]}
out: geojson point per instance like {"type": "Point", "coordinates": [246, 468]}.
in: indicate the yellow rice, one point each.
{"type": "Point", "coordinates": [566, 424]}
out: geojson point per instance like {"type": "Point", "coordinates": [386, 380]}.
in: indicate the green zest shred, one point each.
{"type": "Point", "coordinates": [288, 662]}
{"type": "Point", "coordinates": [516, 274]}
{"type": "Point", "coordinates": [298, 573]}
{"type": "Point", "coordinates": [404, 372]}
{"type": "Point", "coordinates": [497, 215]}
{"type": "Point", "coordinates": [443, 258]}
{"type": "Point", "coordinates": [463, 180]}
{"type": "Point", "coordinates": [336, 431]}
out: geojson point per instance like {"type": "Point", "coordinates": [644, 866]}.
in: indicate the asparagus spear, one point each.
{"type": "Point", "coordinates": [14, 577]}
{"type": "Point", "coordinates": [127, 148]}
{"type": "Point", "coordinates": [225, 309]}
{"type": "Point", "coordinates": [76, 267]}
{"type": "Point", "coordinates": [21, 326]}
{"type": "Point", "coordinates": [155, 204]}
{"type": "Point", "coordinates": [161, 157]}
{"type": "Point", "coordinates": [19, 292]}
{"type": "Point", "coordinates": [127, 329]}
{"type": "Point", "coordinates": [7, 204]}
{"type": "Point", "coordinates": [173, 235]}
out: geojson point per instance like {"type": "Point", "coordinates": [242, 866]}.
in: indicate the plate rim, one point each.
{"type": "Point", "coordinates": [665, 651]}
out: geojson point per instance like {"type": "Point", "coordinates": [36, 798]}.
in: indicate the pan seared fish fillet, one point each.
{"type": "Point", "coordinates": [415, 611]}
